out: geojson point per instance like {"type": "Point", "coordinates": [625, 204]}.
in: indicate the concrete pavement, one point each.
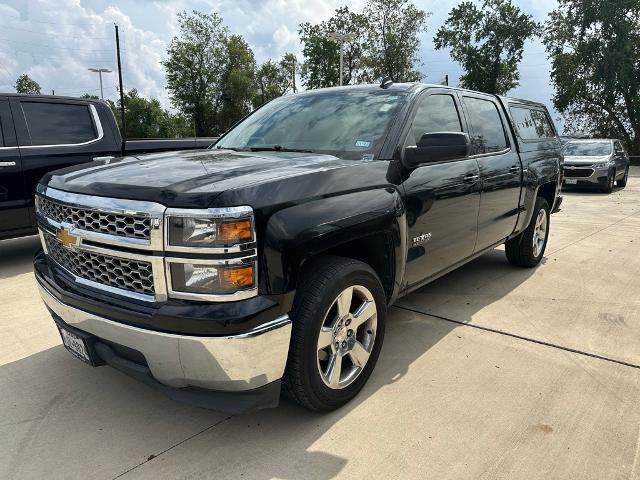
{"type": "Point", "coordinates": [451, 396]}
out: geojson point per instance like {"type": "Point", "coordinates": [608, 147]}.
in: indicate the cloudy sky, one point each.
{"type": "Point", "coordinates": [55, 41]}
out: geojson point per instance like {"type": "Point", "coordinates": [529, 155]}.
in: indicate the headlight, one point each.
{"type": "Point", "coordinates": [211, 279]}
{"type": "Point", "coordinates": [606, 164]}
{"type": "Point", "coordinates": [209, 228]}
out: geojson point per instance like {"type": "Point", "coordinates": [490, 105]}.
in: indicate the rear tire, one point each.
{"type": "Point", "coordinates": [339, 302]}
{"type": "Point", "coordinates": [623, 182]}
{"type": "Point", "coordinates": [527, 249]}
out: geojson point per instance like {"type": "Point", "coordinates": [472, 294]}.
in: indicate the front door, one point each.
{"type": "Point", "coordinates": [500, 169]}
{"type": "Point", "coordinates": [442, 199]}
{"type": "Point", "coordinates": [14, 214]}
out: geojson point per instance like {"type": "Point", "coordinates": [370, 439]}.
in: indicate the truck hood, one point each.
{"type": "Point", "coordinates": [193, 178]}
{"type": "Point", "coordinates": [571, 160]}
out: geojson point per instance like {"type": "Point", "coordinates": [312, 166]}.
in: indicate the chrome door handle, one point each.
{"type": "Point", "coordinates": [7, 164]}
{"type": "Point", "coordinates": [107, 157]}
{"type": "Point", "coordinates": [514, 169]}
{"type": "Point", "coordinates": [471, 178]}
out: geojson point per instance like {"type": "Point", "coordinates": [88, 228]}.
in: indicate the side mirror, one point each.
{"type": "Point", "coordinates": [437, 147]}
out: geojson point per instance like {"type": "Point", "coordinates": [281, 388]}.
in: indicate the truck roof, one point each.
{"type": "Point", "coordinates": [45, 97]}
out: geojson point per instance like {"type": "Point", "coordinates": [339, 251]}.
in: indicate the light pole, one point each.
{"type": "Point", "coordinates": [341, 38]}
{"type": "Point", "coordinates": [100, 71]}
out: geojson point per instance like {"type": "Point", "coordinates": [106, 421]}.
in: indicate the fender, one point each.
{"type": "Point", "coordinates": [295, 234]}
{"type": "Point", "coordinates": [537, 172]}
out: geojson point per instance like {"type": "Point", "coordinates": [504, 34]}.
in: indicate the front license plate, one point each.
{"type": "Point", "coordinates": [571, 181]}
{"type": "Point", "coordinates": [75, 344]}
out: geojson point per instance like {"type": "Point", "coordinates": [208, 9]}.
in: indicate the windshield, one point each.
{"type": "Point", "coordinates": [350, 124]}
{"type": "Point", "coordinates": [587, 149]}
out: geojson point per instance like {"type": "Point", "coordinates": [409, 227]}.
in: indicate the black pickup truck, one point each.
{"type": "Point", "coordinates": [40, 133]}
{"type": "Point", "coordinates": [267, 262]}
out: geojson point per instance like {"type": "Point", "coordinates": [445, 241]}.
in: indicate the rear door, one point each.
{"type": "Point", "coordinates": [620, 158]}
{"type": "Point", "coordinates": [13, 198]}
{"type": "Point", "coordinates": [442, 199]}
{"type": "Point", "coordinates": [500, 168]}
{"type": "Point", "coordinates": [54, 133]}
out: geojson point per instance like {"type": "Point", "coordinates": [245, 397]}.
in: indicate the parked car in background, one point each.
{"type": "Point", "coordinates": [268, 262]}
{"type": "Point", "coordinates": [595, 163]}
{"type": "Point", "coordinates": [40, 133]}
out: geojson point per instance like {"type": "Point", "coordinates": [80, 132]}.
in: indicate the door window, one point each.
{"type": "Point", "coordinates": [488, 129]}
{"type": "Point", "coordinates": [531, 123]}
{"type": "Point", "coordinates": [1, 135]}
{"type": "Point", "coordinates": [435, 113]}
{"type": "Point", "coordinates": [58, 123]}
{"type": "Point", "coordinates": [618, 147]}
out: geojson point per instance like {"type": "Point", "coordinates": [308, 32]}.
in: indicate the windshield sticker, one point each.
{"type": "Point", "coordinates": [363, 144]}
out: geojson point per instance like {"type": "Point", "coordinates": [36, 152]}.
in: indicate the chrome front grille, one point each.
{"type": "Point", "coordinates": [92, 220]}
{"type": "Point", "coordinates": [125, 274]}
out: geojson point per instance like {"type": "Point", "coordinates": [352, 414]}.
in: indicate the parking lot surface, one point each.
{"type": "Point", "coordinates": [491, 372]}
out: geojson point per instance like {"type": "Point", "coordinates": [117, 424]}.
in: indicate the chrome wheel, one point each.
{"type": "Point", "coordinates": [540, 233]}
{"type": "Point", "coordinates": [347, 337]}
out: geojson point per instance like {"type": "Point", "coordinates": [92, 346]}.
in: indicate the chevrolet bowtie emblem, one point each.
{"type": "Point", "coordinates": [67, 239]}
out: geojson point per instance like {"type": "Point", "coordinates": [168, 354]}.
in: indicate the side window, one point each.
{"type": "Point", "coordinates": [618, 147]}
{"type": "Point", "coordinates": [531, 123]}
{"type": "Point", "coordinates": [1, 134]}
{"type": "Point", "coordinates": [488, 130]}
{"type": "Point", "coordinates": [435, 113]}
{"type": "Point", "coordinates": [58, 123]}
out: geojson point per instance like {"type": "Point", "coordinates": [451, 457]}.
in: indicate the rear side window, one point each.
{"type": "Point", "coordinates": [435, 113]}
{"type": "Point", "coordinates": [58, 123]}
{"type": "Point", "coordinates": [488, 130]}
{"type": "Point", "coordinates": [618, 147]}
{"type": "Point", "coordinates": [532, 123]}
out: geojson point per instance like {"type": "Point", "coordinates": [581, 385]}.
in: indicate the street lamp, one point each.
{"type": "Point", "coordinates": [341, 38]}
{"type": "Point", "coordinates": [100, 71]}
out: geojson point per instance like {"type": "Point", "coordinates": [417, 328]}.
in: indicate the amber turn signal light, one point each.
{"type": "Point", "coordinates": [230, 232]}
{"type": "Point", "coordinates": [241, 277]}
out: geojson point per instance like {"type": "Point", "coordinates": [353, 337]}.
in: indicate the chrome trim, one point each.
{"type": "Point", "coordinates": [7, 164]}
{"type": "Point", "coordinates": [100, 132]}
{"type": "Point", "coordinates": [117, 206]}
{"type": "Point", "coordinates": [239, 213]}
{"type": "Point", "coordinates": [157, 267]}
{"type": "Point", "coordinates": [231, 363]}
{"type": "Point", "coordinates": [222, 297]}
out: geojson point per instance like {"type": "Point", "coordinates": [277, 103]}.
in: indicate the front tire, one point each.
{"type": "Point", "coordinates": [527, 249]}
{"type": "Point", "coordinates": [338, 318]}
{"type": "Point", "coordinates": [611, 180]}
{"type": "Point", "coordinates": [623, 181]}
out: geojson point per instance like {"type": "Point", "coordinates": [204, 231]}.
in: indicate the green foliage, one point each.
{"type": "Point", "coordinates": [595, 53]}
{"type": "Point", "coordinates": [274, 79]}
{"type": "Point", "coordinates": [393, 39]}
{"type": "Point", "coordinates": [321, 65]}
{"type": "Point", "coordinates": [147, 119]}
{"type": "Point", "coordinates": [488, 42]}
{"type": "Point", "coordinates": [196, 62]}
{"type": "Point", "coordinates": [25, 84]}
{"type": "Point", "coordinates": [237, 83]}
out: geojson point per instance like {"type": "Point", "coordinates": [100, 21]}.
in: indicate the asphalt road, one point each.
{"type": "Point", "coordinates": [490, 372]}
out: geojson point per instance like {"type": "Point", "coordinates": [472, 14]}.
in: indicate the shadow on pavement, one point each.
{"type": "Point", "coordinates": [16, 255]}
{"type": "Point", "coordinates": [67, 419]}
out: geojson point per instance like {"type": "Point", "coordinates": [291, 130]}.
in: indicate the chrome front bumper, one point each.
{"type": "Point", "coordinates": [232, 364]}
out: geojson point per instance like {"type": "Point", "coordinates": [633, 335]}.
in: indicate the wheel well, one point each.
{"type": "Point", "coordinates": [375, 251]}
{"type": "Point", "coordinates": [548, 192]}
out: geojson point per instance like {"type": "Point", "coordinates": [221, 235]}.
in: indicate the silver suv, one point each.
{"type": "Point", "coordinates": [596, 163]}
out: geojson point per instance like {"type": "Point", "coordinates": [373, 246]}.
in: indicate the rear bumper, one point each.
{"type": "Point", "coordinates": [204, 371]}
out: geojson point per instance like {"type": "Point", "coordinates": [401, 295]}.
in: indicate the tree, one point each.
{"type": "Point", "coordinates": [321, 66]}
{"type": "Point", "coordinates": [147, 119]}
{"type": "Point", "coordinates": [393, 39]}
{"type": "Point", "coordinates": [25, 84]}
{"type": "Point", "coordinates": [488, 42]}
{"type": "Point", "coordinates": [274, 79]}
{"type": "Point", "coordinates": [237, 83]}
{"type": "Point", "coordinates": [194, 68]}
{"type": "Point", "coordinates": [595, 54]}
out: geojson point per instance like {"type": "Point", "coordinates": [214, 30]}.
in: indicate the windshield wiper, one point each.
{"type": "Point", "coordinates": [235, 149]}
{"type": "Point", "coordinates": [278, 148]}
